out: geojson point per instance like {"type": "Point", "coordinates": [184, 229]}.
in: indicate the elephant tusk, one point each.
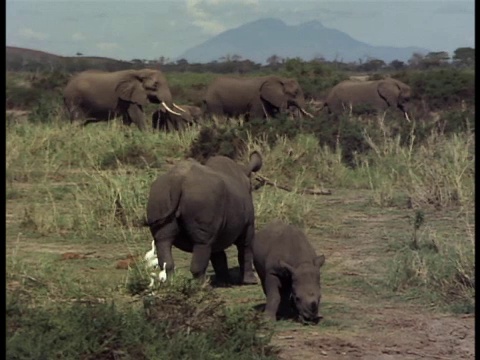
{"type": "Point", "coordinates": [170, 110]}
{"type": "Point", "coordinates": [305, 112]}
{"type": "Point", "coordinates": [178, 107]}
{"type": "Point", "coordinates": [406, 117]}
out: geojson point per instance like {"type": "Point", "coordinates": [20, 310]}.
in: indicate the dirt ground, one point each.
{"type": "Point", "coordinates": [395, 334]}
{"type": "Point", "coordinates": [352, 239]}
{"type": "Point", "coordinates": [378, 329]}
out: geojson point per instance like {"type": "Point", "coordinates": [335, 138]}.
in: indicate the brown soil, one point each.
{"type": "Point", "coordinates": [375, 328]}
{"type": "Point", "coordinates": [371, 327]}
{"type": "Point", "coordinates": [397, 335]}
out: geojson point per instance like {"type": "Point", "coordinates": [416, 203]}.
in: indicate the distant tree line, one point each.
{"type": "Point", "coordinates": [463, 57]}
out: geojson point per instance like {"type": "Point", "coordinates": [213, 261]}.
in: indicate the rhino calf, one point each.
{"type": "Point", "coordinates": [289, 271]}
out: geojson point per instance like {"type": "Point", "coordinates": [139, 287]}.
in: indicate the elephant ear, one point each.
{"type": "Point", "coordinates": [131, 89]}
{"type": "Point", "coordinates": [389, 91]}
{"type": "Point", "coordinates": [273, 92]}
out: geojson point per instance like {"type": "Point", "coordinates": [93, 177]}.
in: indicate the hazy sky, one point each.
{"type": "Point", "coordinates": [142, 29]}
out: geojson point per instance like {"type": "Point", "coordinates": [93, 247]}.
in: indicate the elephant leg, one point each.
{"type": "Point", "coordinates": [272, 292]}
{"type": "Point", "coordinates": [245, 257]}
{"type": "Point", "coordinates": [220, 266]}
{"type": "Point", "coordinates": [200, 258]}
{"type": "Point", "coordinates": [157, 120]}
{"type": "Point", "coordinates": [126, 119]}
{"type": "Point", "coordinates": [137, 116]}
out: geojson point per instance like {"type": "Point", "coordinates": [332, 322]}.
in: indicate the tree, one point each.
{"type": "Point", "coordinates": [436, 59]}
{"type": "Point", "coordinates": [230, 58]}
{"type": "Point", "coordinates": [274, 60]}
{"type": "Point", "coordinates": [318, 58]}
{"type": "Point", "coordinates": [372, 65]}
{"type": "Point", "coordinates": [397, 65]}
{"type": "Point", "coordinates": [162, 60]}
{"type": "Point", "coordinates": [416, 61]}
{"type": "Point", "coordinates": [464, 56]}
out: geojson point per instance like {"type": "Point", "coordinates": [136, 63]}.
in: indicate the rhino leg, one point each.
{"type": "Point", "coordinates": [272, 291]}
{"type": "Point", "coordinates": [220, 266]}
{"type": "Point", "coordinates": [245, 257]}
{"type": "Point", "coordinates": [200, 258]}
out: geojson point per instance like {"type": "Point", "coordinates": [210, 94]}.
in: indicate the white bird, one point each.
{"type": "Point", "coordinates": [163, 274]}
{"type": "Point", "coordinates": [152, 262]}
{"type": "Point", "coordinates": [152, 253]}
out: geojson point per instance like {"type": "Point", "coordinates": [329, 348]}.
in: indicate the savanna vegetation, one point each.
{"type": "Point", "coordinates": [398, 229]}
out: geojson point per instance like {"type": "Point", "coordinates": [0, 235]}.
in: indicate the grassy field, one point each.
{"type": "Point", "coordinates": [397, 232]}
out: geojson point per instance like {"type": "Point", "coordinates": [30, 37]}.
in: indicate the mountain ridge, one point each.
{"type": "Point", "coordinates": [306, 40]}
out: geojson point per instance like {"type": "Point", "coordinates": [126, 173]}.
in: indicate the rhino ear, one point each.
{"type": "Point", "coordinates": [319, 261]}
{"type": "Point", "coordinates": [255, 163]}
{"type": "Point", "coordinates": [284, 265]}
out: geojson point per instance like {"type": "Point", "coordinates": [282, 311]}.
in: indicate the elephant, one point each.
{"type": "Point", "coordinates": [204, 209]}
{"type": "Point", "coordinates": [253, 97]}
{"type": "Point", "coordinates": [164, 120]}
{"type": "Point", "coordinates": [377, 94]}
{"type": "Point", "coordinates": [100, 96]}
{"type": "Point", "coordinates": [289, 271]}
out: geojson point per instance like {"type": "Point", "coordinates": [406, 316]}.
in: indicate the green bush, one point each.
{"type": "Point", "coordinates": [440, 88]}
{"type": "Point", "coordinates": [184, 321]}
{"type": "Point", "coordinates": [47, 108]}
{"type": "Point", "coordinates": [214, 140]}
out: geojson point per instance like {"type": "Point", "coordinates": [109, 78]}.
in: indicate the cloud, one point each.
{"type": "Point", "coordinates": [32, 35]}
{"type": "Point", "coordinates": [108, 46]}
{"type": "Point", "coordinates": [78, 36]}
{"type": "Point", "coordinates": [202, 19]}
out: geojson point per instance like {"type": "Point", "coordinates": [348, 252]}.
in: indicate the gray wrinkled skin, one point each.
{"type": "Point", "coordinates": [100, 96]}
{"type": "Point", "coordinates": [203, 209]}
{"type": "Point", "coordinates": [379, 95]}
{"type": "Point", "coordinates": [289, 271]}
{"type": "Point", "coordinates": [253, 97]}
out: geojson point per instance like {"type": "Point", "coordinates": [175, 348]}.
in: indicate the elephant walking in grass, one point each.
{"type": "Point", "coordinates": [204, 209]}
{"type": "Point", "coordinates": [166, 121]}
{"type": "Point", "coordinates": [378, 95]}
{"type": "Point", "coordinates": [100, 96]}
{"type": "Point", "coordinates": [253, 97]}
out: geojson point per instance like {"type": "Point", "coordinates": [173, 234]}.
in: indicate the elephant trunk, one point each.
{"type": "Point", "coordinates": [300, 106]}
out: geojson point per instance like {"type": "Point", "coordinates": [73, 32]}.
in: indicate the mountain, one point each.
{"type": "Point", "coordinates": [260, 39]}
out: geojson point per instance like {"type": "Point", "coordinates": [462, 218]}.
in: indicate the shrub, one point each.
{"type": "Point", "coordinates": [183, 321]}
{"type": "Point", "coordinates": [437, 267]}
{"type": "Point", "coordinates": [214, 140]}
{"type": "Point", "coordinates": [440, 88]}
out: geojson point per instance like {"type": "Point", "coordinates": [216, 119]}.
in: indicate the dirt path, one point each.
{"type": "Point", "coordinates": [395, 334]}
{"type": "Point", "coordinates": [374, 327]}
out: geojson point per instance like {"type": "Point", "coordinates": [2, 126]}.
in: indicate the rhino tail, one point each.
{"type": "Point", "coordinates": [169, 201]}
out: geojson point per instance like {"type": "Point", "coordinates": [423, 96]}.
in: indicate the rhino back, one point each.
{"type": "Point", "coordinates": [279, 241]}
